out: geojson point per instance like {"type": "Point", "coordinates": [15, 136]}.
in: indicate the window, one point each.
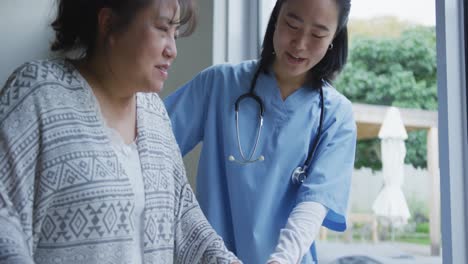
{"type": "Point", "coordinates": [235, 30]}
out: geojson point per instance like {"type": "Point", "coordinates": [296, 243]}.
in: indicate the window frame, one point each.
{"type": "Point", "coordinates": [235, 30]}
{"type": "Point", "coordinates": [453, 128]}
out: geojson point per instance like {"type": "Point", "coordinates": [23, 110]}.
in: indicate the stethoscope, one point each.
{"type": "Point", "coordinates": [300, 173]}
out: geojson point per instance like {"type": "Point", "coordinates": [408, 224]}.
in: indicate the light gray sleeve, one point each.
{"type": "Point", "coordinates": [14, 248]}
{"type": "Point", "coordinates": [17, 163]}
{"type": "Point", "coordinates": [195, 239]}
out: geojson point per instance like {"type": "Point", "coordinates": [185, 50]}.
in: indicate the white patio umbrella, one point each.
{"type": "Point", "coordinates": [390, 202]}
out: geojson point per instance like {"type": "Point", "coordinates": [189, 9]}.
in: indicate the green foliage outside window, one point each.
{"type": "Point", "coordinates": [394, 71]}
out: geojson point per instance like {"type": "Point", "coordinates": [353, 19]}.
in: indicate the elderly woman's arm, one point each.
{"type": "Point", "coordinates": [196, 241]}
{"type": "Point", "coordinates": [13, 243]}
{"type": "Point", "coordinates": [17, 164]}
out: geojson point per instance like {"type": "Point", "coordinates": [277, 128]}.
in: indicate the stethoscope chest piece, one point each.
{"type": "Point", "coordinates": [298, 176]}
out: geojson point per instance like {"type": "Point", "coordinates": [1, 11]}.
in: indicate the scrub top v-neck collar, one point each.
{"type": "Point", "coordinates": [267, 88]}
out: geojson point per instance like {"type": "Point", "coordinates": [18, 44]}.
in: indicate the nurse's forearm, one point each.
{"type": "Point", "coordinates": [301, 229]}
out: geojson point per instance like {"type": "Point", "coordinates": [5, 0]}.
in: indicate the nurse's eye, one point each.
{"type": "Point", "coordinates": [318, 36]}
{"type": "Point", "coordinates": [291, 26]}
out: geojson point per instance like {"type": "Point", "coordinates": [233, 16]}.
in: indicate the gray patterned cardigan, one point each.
{"type": "Point", "coordinates": [64, 197]}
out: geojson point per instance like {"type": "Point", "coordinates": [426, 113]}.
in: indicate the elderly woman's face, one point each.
{"type": "Point", "coordinates": [142, 54]}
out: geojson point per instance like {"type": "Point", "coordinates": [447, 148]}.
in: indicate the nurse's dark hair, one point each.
{"type": "Point", "coordinates": [333, 61]}
{"type": "Point", "coordinates": [76, 23]}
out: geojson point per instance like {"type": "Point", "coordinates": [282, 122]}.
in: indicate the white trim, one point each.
{"type": "Point", "coordinates": [453, 140]}
{"type": "Point", "coordinates": [235, 30]}
{"type": "Point", "coordinates": [220, 31]}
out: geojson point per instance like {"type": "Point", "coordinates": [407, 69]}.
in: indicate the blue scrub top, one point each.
{"type": "Point", "coordinates": [249, 204]}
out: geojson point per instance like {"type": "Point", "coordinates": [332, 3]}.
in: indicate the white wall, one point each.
{"type": "Point", "coordinates": [24, 33]}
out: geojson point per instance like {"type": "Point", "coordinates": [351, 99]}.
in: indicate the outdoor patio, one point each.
{"type": "Point", "coordinates": [365, 244]}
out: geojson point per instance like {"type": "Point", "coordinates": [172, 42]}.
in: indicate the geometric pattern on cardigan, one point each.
{"type": "Point", "coordinates": [64, 197]}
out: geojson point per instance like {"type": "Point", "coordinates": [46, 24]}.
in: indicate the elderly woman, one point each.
{"type": "Point", "coordinates": [90, 171]}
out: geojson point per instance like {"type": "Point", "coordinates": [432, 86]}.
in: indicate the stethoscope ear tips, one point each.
{"type": "Point", "coordinates": [231, 158]}
{"type": "Point", "coordinates": [261, 158]}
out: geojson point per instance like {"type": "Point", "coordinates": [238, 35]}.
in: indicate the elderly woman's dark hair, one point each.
{"type": "Point", "coordinates": [76, 23]}
{"type": "Point", "coordinates": [333, 61]}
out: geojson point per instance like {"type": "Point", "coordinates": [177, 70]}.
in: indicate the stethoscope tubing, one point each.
{"type": "Point", "coordinates": [308, 161]}
{"type": "Point", "coordinates": [300, 173]}
{"type": "Point", "coordinates": [257, 137]}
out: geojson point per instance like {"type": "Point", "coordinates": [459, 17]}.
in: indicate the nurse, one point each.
{"type": "Point", "coordinates": [262, 120]}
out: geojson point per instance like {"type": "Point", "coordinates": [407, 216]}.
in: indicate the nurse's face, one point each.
{"type": "Point", "coordinates": [142, 54]}
{"type": "Point", "coordinates": [303, 33]}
